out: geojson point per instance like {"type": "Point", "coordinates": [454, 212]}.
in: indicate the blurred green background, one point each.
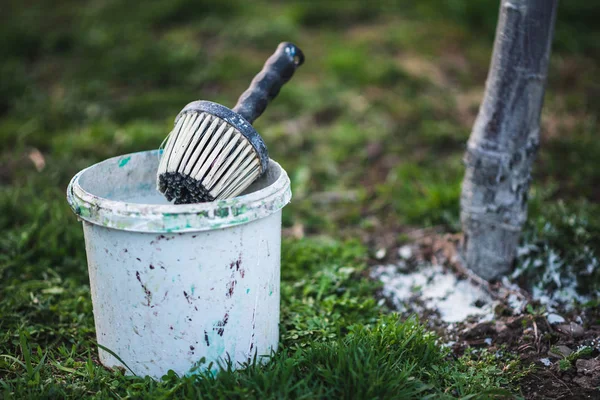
{"type": "Point", "coordinates": [371, 130]}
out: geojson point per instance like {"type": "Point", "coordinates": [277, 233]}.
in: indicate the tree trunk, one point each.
{"type": "Point", "coordinates": [505, 137]}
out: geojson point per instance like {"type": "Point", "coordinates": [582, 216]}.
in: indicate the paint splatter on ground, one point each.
{"type": "Point", "coordinates": [561, 340]}
{"type": "Point", "coordinates": [435, 289]}
{"type": "Point", "coordinates": [559, 283]}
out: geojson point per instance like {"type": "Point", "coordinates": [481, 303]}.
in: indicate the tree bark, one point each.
{"type": "Point", "coordinates": [505, 137]}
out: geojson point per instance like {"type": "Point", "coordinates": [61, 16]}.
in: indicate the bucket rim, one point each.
{"type": "Point", "coordinates": [171, 218]}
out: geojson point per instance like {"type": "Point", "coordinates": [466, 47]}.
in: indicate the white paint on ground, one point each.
{"type": "Point", "coordinates": [380, 254]}
{"type": "Point", "coordinates": [516, 303]}
{"type": "Point", "coordinates": [405, 252]}
{"type": "Point", "coordinates": [439, 290]}
{"type": "Point", "coordinates": [546, 361]}
{"type": "Point", "coordinates": [557, 286]}
{"type": "Point", "coordinates": [555, 319]}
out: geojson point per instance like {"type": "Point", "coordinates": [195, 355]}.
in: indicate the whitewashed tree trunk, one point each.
{"type": "Point", "coordinates": [505, 137]}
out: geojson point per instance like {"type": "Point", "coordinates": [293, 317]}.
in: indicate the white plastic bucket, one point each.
{"type": "Point", "coordinates": [172, 284]}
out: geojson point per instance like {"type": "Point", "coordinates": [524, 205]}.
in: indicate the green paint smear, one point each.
{"type": "Point", "coordinates": [239, 210]}
{"type": "Point", "coordinates": [222, 212]}
{"type": "Point", "coordinates": [84, 212]}
{"type": "Point", "coordinates": [124, 161]}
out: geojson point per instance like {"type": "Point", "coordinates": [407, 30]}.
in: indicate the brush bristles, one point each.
{"type": "Point", "coordinates": [206, 159]}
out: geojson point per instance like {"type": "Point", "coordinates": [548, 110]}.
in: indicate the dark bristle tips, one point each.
{"type": "Point", "coordinates": [182, 189]}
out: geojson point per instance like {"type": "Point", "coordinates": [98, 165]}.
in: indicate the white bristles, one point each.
{"type": "Point", "coordinates": [196, 136]}
{"type": "Point", "coordinates": [233, 184]}
{"type": "Point", "coordinates": [234, 169]}
{"type": "Point", "coordinates": [170, 143]}
{"type": "Point", "coordinates": [205, 151]}
{"type": "Point", "coordinates": [242, 183]}
{"type": "Point", "coordinates": [222, 161]}
{"type": "Point", "coordinates": [181, 143]}
{"type": "Point", "coordinates": [242, 177]}
{"type": "Point", "coordinates": [198, 151]}
{"type": "Point", "coordinates": [239, 152]}
{"type": "Point", "coordinates": [186, 141]}
{"type": "Point", "coordinates": [200, 169]}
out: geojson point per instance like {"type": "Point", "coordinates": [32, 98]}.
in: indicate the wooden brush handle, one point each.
{"type": "Point", "coordinates": [265, 86]}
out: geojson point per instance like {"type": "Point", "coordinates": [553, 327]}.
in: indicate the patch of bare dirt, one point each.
{"type": "Point", "coordinates": [563, 346]}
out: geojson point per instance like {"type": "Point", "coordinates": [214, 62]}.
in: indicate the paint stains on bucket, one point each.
{"type": "Point", "coordinates": [208, 254]}
{"type": "Point", "coordinates": [147, 293]}
{"type": "Point", "coordinates": [237, 264]}
{"type": "Point", "coordinates": [230, 288]}
{"type": "Point", "coordinates": [187, 297]}
{"type": "Point", "coordinates": [221, 324]}
{"type": "Point", "coordinates": [123, 161]}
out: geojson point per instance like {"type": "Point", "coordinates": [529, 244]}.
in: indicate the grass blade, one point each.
{"type": "Point", "coordinates": [26, 353]}
{"type": "Point", "coordinates": [115, 355]}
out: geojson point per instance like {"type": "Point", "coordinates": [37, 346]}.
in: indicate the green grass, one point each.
{"type": "Point", "coordinates": [371, 131]}
{"type": "Point", "coordinates": [336, 341]}
{"type": "Point", "coordinates": [389, 360]}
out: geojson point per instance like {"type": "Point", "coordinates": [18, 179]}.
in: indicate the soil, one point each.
{"type": "Point", "coordinates": [534, 340]}
{"type": "Point", "coordinates": [537, 338]}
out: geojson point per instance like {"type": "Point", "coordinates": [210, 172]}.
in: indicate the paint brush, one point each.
{"type": "Point", "coordinates": [214, 152]}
